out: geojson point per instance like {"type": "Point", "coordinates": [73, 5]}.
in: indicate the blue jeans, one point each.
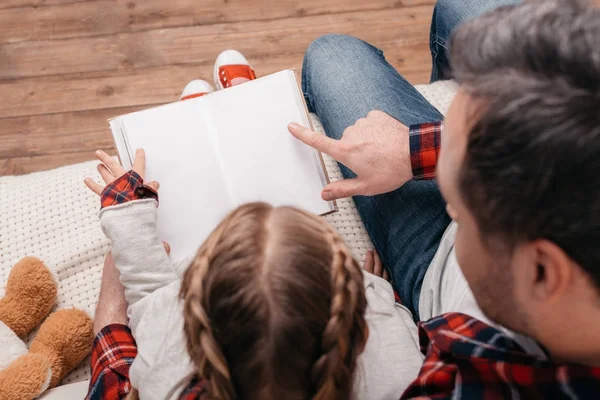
{"type": "Point", "coordinates": [343, 78]}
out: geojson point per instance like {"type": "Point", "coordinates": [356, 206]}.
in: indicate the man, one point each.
{"type": "Point", "coordinates": [519, 172]}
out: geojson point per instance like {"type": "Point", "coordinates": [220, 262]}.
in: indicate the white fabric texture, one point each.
{"type": "Point", "coordinates": [53, 216]}
{"type": "Point", "coordinates": [11, 347]}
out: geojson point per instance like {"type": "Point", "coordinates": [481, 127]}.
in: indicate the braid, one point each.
{"type": "Point", "coordinates": [344, 335]}
{"type": "Point", "coordinates": [201, 344]}
{"type": "Point", "coordinates": [264, 277]}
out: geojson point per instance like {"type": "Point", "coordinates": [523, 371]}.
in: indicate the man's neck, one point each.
{"type": "Point", "coordinates": [576, 340]}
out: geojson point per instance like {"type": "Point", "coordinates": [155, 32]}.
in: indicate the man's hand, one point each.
{"type": "Point", "coordinates": [376, 148]}
{"type": "Point", "coordinates": [110, 170]}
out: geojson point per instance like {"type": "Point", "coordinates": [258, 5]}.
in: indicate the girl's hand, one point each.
{"type": "Point", "coordinates": [110, 170]}
{"type": "Point", "coordinates": [374, 265]}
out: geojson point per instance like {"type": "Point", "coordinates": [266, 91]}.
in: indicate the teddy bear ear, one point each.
{"type": "Point", "coordinates": [25, 378]}
{"type": "Point", "coordinates": [11, 347]}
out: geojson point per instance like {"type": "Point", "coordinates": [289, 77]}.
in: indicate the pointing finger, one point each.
{"type": "Point", "coordinates": [343, 188]}
{"type": "Point", "coordinates": [315, 140]}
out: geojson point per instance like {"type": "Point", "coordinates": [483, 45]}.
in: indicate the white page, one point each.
{"type": "Point", "coordinates": [262, 161]}
{"type": "Point", "coordinates": [181, 155]}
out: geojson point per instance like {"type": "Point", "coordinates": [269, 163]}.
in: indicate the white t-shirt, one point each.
{"type": "Point", "coordinates": [445, 289]}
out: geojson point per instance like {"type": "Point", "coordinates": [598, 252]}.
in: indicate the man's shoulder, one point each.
{"type": "Point", "coordinates": [467, 358]}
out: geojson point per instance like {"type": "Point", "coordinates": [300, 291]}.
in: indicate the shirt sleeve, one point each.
{"type": "Point", "coordinates": [137, 250]}
{"type": "Point", "coordinates": [128, 187]}
{"type": "Point", "coordinates": [113, 352]}
{"type": "Point", "coordinates": [129, 219]}
{"type": "Point", "coordinates": [425, 143]}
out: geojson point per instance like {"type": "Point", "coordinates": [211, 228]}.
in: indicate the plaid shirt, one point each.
{"type": "Point", "coordinates": [425, 141]}
{"type": "Point", "coordinates": [467, 359]}
{"type": "Point", "coordinates": [464, 359]}
{"type": "Point", "coordinates": [128, 187]}
{"type": "Point", "coordinates": [112, 354]}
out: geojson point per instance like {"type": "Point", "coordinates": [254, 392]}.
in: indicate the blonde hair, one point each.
{"type": "Point", "coordinates": [274, 307]}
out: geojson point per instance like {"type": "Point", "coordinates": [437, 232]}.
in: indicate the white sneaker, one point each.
{"type": "Point", "coordinates": [196, 88]}
{"type": "Point", "coordinates": [232, 68]}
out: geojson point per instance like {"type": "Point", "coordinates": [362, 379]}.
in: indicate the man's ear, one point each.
{"type": "Point", "coordinates": [553, 271]}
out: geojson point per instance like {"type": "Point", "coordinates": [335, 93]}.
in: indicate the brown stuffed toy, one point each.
{"type": "Point", "coordinates": [63, 341]}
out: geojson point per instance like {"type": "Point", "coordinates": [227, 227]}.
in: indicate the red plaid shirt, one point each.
{"type": "Point", "coordinates": [112, 354]}
{"type": "Point", "coordinates": [425, 141]}
{"type": "Point", "coordinates": [464, 359]}
{"type": "Point", "coordinates": [467, 359]}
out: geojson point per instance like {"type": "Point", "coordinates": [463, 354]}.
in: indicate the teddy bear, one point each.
{"type": "Point", "coordinates": [62, 342]}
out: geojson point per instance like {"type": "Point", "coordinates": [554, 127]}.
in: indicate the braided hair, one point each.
{"type": "Point", "coordinates": [274, 307]}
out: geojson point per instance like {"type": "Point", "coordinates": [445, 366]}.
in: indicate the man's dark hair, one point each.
{"type": "Point", "coordinates": [532, 163]}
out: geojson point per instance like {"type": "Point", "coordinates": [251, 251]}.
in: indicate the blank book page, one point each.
{"type": "Point", "coordinates": [262, 161]}
{"type": "Point", "coordinates": [181, 155]}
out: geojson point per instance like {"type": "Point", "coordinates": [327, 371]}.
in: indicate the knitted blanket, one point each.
{"type": "Point", "coordinates": [53, 216]}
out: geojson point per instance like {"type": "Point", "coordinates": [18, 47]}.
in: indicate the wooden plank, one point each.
{"type": "Point", "coordinates": [26, 165]}
{"type": "Point", "coordinates": [161, 84]}
{"type": "Point", "coordinates": [55, 103]}
{"type": "Point", "coordinates": [87, 130]}
{"type": "Point", "coordinates": [49, 134]}
{"type": "Point", "coordinates": [34, 143]}
{"type": "Point", "coordinates": [410, 3]}
{"type": "Point", "coordinates": [109, 17]}
{"type": "Point", "coordinates": [200, 44]}
{"type": "Point", "coordinates": [30, 143]}
{"type": "Point", "coordinates": [7, 4]}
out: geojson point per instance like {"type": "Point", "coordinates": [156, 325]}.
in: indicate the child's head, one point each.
{"type": "Point", "coordinates": [275, 307]}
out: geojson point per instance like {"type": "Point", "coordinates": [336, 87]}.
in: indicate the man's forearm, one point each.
{"type": "Point", "coordinates": [425, 143]}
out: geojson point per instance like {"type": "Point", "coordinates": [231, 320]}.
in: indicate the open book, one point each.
{"type": "Point", "coordinates": [216, 152]}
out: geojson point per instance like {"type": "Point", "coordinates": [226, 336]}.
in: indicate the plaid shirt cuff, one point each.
{"type": "Point", "coordinates": [128, 187]}
{"type": "Point", "coordinates": [425, 142]}
{"type": "Point", "coordinates": [112, 354]}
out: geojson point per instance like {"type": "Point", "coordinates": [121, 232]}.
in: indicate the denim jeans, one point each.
{"type": "Point", "coordinates": [343, 78]}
